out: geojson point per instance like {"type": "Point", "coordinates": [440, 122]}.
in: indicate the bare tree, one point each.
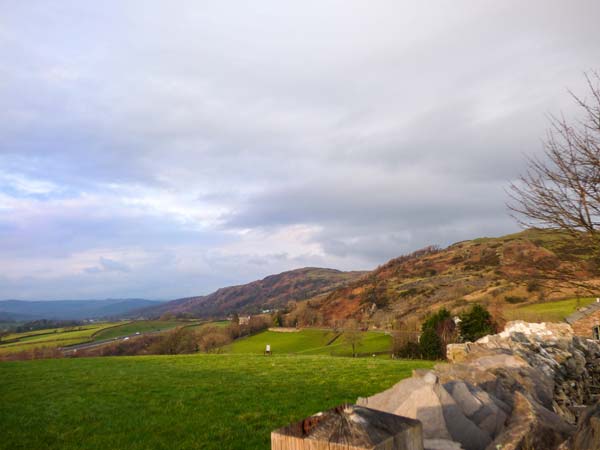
{"type": "Point", "coordinates": [561, 190]}
{"type": "Point", "coordinates": [352, 334]}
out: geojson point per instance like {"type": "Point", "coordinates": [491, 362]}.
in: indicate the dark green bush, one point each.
{"type": "Point", "coordinates": [476, 323]}
{"type": "Point", "coordinates": [438, 330]}
{"type": "Point", "coordinates": [410, 350]}
{"type": "Point", "coordinates": [430, 345]}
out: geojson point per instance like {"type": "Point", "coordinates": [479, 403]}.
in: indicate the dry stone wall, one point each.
{"type": "Point", "coordinates": [585, 325]}
{"type": "Point", "coordinates": [523, 388]}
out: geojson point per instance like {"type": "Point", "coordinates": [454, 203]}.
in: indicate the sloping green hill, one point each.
{"type": "Point", "coordinates": [548, 311]}
{"type": "Point", "coordinates": [140, 326]}
{"type": "Point", "coordinates": [51, 338]}
{"type": "Point", "coordinates": [310, 342]}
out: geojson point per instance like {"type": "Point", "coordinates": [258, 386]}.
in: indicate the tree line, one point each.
{"type": "Point", "coordinates": [440, 329]}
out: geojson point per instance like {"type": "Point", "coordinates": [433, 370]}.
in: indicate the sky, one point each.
{"type": "Point", "coordinates": [165, 149]}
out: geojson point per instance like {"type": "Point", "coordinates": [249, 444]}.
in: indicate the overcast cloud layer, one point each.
{"type": "Point", "coordinates": [164, 149]}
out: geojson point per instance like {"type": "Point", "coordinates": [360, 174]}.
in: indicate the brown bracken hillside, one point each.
{"type": "Point", "coordinates": [272, 292]}
{"type": "Point", "coordinates": [502, 273]}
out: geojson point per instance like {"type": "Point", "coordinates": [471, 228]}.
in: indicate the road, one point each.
{"type": "Point", "coordinates": [73, 348]}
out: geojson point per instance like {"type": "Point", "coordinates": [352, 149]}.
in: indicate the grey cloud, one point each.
{"type": "Point", "coordinates": [394, 200]}
{"type": "Point", "coordinates": [60, 232]}
{"type": "Point", "coordinates": [378, 127]}
{"type": "Point", "coordinates": [107, 265]}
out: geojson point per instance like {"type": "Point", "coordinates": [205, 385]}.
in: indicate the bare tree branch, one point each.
{"type": "Point", "coordinates": [561, 190]}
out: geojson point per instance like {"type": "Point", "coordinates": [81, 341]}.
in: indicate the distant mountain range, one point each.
{"type": "Point", "coordinates": [71, 309]}
{"type": "Point", "coordinates": [274, 291]}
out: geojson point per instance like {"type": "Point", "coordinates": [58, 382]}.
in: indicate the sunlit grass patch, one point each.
{"type": "Point", "coordinates": [555, 311]}
{"type": "Point", "coordinates": [212, 402]}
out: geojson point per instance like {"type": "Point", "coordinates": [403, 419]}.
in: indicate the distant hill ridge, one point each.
{"type": "Point", "coordinates": [22, 310]}
{"type": "Point", "coordinates": [274, 291]}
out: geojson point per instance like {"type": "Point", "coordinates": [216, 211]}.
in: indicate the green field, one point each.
{"type": "Point", "coordinates": [547, 312]}
{"type": "Point", "coordinates": [177, 402]}
{"type": "Point", "coordinates": [373, 342]}
{"type": "Point", "coordinates": [309, 342]}
{"type": "Point", "coordinates": [141, 326]}
{"type": "Point", "coordinates": [62, 337]}
{"type": "Point", "coordinates": [199, 324]}
{"type": "Point", "coordinates": [56, 337]}
{"type": "Point", "coordinates": [220, 323]}
{"type": "Point", "coordinates": [48, 331]}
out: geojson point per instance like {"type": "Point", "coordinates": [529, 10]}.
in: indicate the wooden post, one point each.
{"type": "Point", "coordinates": [350, 427]}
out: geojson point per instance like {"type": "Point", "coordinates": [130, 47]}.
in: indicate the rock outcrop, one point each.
{"type": "Point", "coordinates": [523, 388]}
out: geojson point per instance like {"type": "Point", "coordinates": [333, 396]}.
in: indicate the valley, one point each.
{"type": "Point", "coordinates": [53, 339]}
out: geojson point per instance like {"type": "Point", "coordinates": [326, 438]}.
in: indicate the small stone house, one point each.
{"type": "Point", "coordinates": [245, 320]}
{"type": "Point", "coordinates": [586, 321]}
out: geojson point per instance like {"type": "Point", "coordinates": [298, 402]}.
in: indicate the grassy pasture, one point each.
{"type": "Point", "coordinates": [201, 323]}
{"type": "Point", "coordinates": [281, 343]}
{"type": "Point", "coordinates": [210, 402]}
{"type": "Point", "coordinates": [49, 331]}
{"type": "Point", "coordinates": [373, 342]}
{"type": "Point", "coordinates": [141, 326]}
{"type": "Point", "coordinates": [61, 337]}
{"type": "Point", "coordinates": [56, 337]}
{"type": "Point", "coordinates": [555, 311]}
{"type": "Point", "coordinates": [308, 342]}
{"type": "Point", "coordinates": [220, 323]}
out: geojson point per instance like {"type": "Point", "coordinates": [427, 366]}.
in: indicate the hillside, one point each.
{"type": "Point", "coordinates": [274, 291]}
{"type": "Point", "coordinates": [503, 273]}
{"type": "Point", "coordinates": [70, 309]}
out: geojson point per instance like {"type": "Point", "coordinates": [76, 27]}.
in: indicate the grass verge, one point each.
{"type": "Point", "coordinates": [555, 311]}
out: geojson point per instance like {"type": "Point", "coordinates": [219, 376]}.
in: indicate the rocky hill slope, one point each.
{"type": "Point", "coordinates": [499, 272]}
{"type": "Point", "coordinates": [274, 291]}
